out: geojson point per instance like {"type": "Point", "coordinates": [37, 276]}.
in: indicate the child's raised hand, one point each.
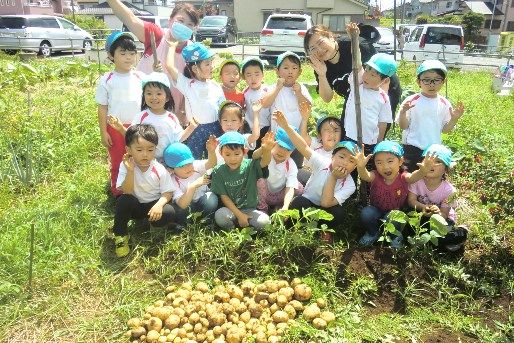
{"type": "Point", "coordinates": [305, 109]}
{"type": "Point", "coordinates": [340, 172]}
{"type": "Point", "coordinates": [360, 159]}
{"type": "Point", "coordinates": [211, 143]}
{"type": "Point", "coordinates": [428, 163]}
{"type": "Point", "coordinates": [353, 30]}
{"type": "Point", "coordinates": [297, 88]}
{"type": "Point", "coordinates": [128, 162]}
{"type": "Point", "coordinates": [457, 112]}
{"type": "Point", "coordinates": [268, 141]}
{"type": "Point", "coordinates": [406, 106]}
{"type": "Point", "coordinates": [204, 180]}
{"type": "Point", "coordinates": [280, 119]}
{"type": "Point", "coordinates": [114, 122]}
{"type": "Point", "coordinates": [157, 67]}
{"type": "Point", "coordinates": [280, 82]}
{"type": "Point", "coordinates": [257, 106]}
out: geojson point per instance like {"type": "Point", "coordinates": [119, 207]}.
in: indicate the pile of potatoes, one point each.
{"type": "Point", "coordinates": [228, 313]}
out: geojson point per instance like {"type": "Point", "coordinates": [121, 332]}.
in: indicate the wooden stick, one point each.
{"type": "Point", "coordinates": [154, 48]}
{"type": "Point", "coordinates": [31, 257]}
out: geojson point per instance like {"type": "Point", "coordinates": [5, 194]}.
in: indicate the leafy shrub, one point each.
{"type": "Point", "coordinates": [97, 27]}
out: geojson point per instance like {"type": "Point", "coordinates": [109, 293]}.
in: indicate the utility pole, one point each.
{"type": "Point", "coordinates": [73, 10]}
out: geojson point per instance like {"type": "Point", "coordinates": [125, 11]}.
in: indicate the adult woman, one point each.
{"type": "Point", "coordinates": [183, 21]}
{"type": "Point", "coordinates": [331, 59]}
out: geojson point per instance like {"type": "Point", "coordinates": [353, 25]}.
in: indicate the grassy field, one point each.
{"type": "Point", "coordinates": [53, 176]}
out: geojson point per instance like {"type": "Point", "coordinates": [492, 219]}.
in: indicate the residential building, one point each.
{"type": "Point", "coordinates": [494, 16]}
{"type": "Point", "coordinates": [508, 22]}
{"type": "Point", "coordinates": [212, 7]}
{"type": "Point", "coordinates": [49, 7]}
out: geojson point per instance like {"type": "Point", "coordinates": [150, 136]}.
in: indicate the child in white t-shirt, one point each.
{"type": "Point", "coordinates": [145, 183]}
{"type": "Point", "coordinates": [118, 94]}
{"type": "Point", "coordinates": [202, 95]}
{"type": "Point", "coordinates": [190, 178]}
{"type": "Point", "coordinates": [330, 184]}
{"type": "Point", "coordinates": [282, 183]}
{"type": "Point", "coordinates": [424, 116]}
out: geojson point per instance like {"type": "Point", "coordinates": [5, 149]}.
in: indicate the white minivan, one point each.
{"type": "Point", "coordinates": [436, 41]}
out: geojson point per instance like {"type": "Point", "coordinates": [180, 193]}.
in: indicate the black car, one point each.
{"type": "Point", "coordinates": [218, 28]}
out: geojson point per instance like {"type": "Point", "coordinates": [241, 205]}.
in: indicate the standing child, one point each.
{"type": "Point", "coordinates": [330, 184]}
{"type": "Point", "coordinates": [119, 95]}
{"type": "Point", "coordinates": [434, 195]}
{"type": "Point", "coordinates": [235, 182]}
{"type": "Point", "coordinates": [287, 95]}
{"type": "Point", "coordinates": [230, 75]}
{"type": "Point", "coordinates": [425, 115]}
{"type": "Point", "coordinates": [190, 179]}
{"type": "Point", "coordinates": [145, 183]}
{"type": "Point", "coordinates": [388, 189]}
{"type": "Point", "coordinates": [202, 95]}
{"type": "Point", "coordinates": [282, 183]}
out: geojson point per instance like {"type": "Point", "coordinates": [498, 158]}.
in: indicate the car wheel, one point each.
{"type": "Point", "coordinates": [87, 45]}
{"type": "Point", "coordinates": [45, 49]}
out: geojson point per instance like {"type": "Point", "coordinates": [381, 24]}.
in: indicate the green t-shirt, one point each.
{"type": "Point", "coordinates": [239, 185]}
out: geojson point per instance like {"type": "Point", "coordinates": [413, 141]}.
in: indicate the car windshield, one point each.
{"type": "Point", "coordinates": [12, 23]}
{"type": "Point", "coordinates": [384, 33]}
{"type": "Point", "coordinates": [444, 35]}
{"type": "Point", "coordinates": [287, 23]}
{"type": "Point", "coordinates": [213, 21]}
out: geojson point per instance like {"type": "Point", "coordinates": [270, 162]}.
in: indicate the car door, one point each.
{"type": "Point", "coordinates": [75, 37]}
{"type": "Point", "coordinates": [443, 43]}
{"type": "Point", "coordinates": [411, 49]}
{"type": "Point", "coordinates": [55, 35]}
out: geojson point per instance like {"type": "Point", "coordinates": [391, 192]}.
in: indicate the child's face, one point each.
{"type": "Point", "coordinates": [289, 71]}
{"type": "Point", "coordinates": [371, 78]}
{"type": "Point", "coordinates": [230, 76]}
{"type": "Point", "coordinates": [430, 83]}
{"type": "Point", "coordinates": [437, 171]}
{"type": "Point", "coordinates": [185, 171]}
{"type": "Point", "coordinates": [231, 120]}
{"type": "Point", "coordinates": [330, 134]}
{"type": "Point", "coordinates": [253, 76]}
{"type": "Point", "coordinates": [280, 154]}
{"type": "Point", "coordinates": [203, 69]}
{"type": "Point", "coordinates": [388, 165]}
{"type": "Point", "coordinates": [232, 158]}
{"type": "Point", "coordinates": [123, 59]}
{"type": "Point", "coordinates": [142, 151]}
{"type": "Point", "coordinates": [343, 159]}
{"type": "Point", "coordinates": [155, 97]}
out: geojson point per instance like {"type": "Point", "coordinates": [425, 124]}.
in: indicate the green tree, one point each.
{"type": "Point", "coordinates": [423, 19]}
{"type": "Point", "coordinates": [472, 23]}
{"type": "Point", "coordinates": [91, 24]}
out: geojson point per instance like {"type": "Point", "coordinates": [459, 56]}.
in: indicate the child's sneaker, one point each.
{"type": "Point", "coordinates": [368, 239]}
{"type": "Point", "coordinates": [397, 242]}
{"type": "Point", "coordinates": [121, 245]}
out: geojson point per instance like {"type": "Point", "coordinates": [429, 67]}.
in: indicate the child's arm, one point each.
{"type": "Point", "coordinates": [102, 123]}
{"type": "Point", "coordinates": [300, 98]}
{"type": "Point", "coordinates": [295, 137]}
{"type": "Point", "coordinates": [211, 145]}
{"type": "Point", "coordinates": [269, 98]}
{"type": "Point", "coordinates": [327, 195]}
{"type": "Point", "coordinates": [268, 142]}
{"type": "Point", "coordinates": [427, 210]}
{"type": "Point", "coordinates": [242, 218]}
{"type": "Point", "coordinates": [288, 197]}
{"type": "Point", "coordinates": [403, 119]}
{"type": "Point", "coordinates": [425, 166]}
{"type": "Point", "coordinates": [305, 111]}
{"type": "Point", "coordinates": [185, 200]}
{"type": "Point", "coordinates": [455, 115]}
{"type": "Point", "coordinates": [361, 162]}
{"type": "Point", "coordinates": [189, 130]}
{"type": "Point", "coordinates": [155, 212]}
{"type": "Point", "coordinates": [170, 60]}
{"type": "Point", "coordinates": [381, 130]}
{"type": "Point", "coordinates": [256, 130]}
{"type": "Point", "coordinates": [127, 187]}
{"type": "Point", "coordinates": [116, 124]}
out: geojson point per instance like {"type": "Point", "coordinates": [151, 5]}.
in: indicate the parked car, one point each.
{"type": "Point", "coordinates": [218, 28]}
{"type": "Point", "coordinates": [386, 41]}
{"type": "Point", "coordinates": [41, 33]}
{"type": "Point", "coordinates": [282, 32]}
{"type": "Point", "coordinates": [436, 41]}
{"type": "Point", "coordinates": [406, 29]}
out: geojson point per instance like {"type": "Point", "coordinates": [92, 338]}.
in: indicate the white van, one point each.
{"type": "Point", "coordinates": [436, 41]}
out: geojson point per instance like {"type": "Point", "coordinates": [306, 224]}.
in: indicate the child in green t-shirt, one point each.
{"type": "Point", "coordinates": [235, 182]}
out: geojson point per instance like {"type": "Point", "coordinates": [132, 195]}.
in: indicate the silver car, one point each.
{"type": "Point", "coordinates": [41, 33]}
{"type": "Point", "coordinates": [386, 41]}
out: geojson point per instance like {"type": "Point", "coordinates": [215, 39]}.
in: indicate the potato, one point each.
{"type": "Point", "coordinates": [280, 317]}
{"type": "Point", "coordinates": [261, 288]}
{"type": "Point", "coordinates": [162, 312]}
{"type": "Point", "coordinates": [162, 339]}
{"type": "Point", "coordinates": [327, 316]}
{"type": "Point", "coordinates": [272, 298]}
{"type": "Point", "coordinates": [282, 284]}
{"type": "Point", "coordinates": [273, 339]}
{"type": "Point", "coordinates": [302, 292]}
{"type": "Point", "coordinates": [187, 286]}
{"type": "Point", "coordinates": [312, 311]}
{"type": "Point", "coordinates": [260, 337]}
{"type": "Point", "coordinates": [271, 286]}
{"type": "Point", "coordinates": [154, 324]}
{"type": "Point", "coordinates": [172, 321]}
{"type": "Point", "coordinates": [201, 337]}
{"type": "Point", "coordinates": [179, 302]}
{"type": "Point", "coordinates": [171, 288]}
{"type": "Point", "coordinates": [234, 335]}
{"type": "Point", "coordinates": [152, 336]}
{"type": "Point", "coordinates": [319, 323]}
{"type": "Point", "coordinates": [298, 306]}
{"type": "Point", "coordinates": [222, 297]}
{"type": "Point", "coordinates": [188, 327]}
{"type": "Point", "coordinates": [296, 281]}
{"type": "Point", "coordinates": [179, 312]}
{"type": "Point", "coordinates": [134, 323]}
{"type": "Point", "coordinates": [288, 292]}
{"type": "Point", "coordinates": [158, 303]}
{"type": "Point", "coordinates": [247, 287]}
{"type": "Point", "coordinates": [261, 296]}
{"type": "Point", "coordinates": [291, 312]}
{"type": "Point", "coordinates": [235, 292]}
{"type": "Point", "coordinates": [282, 300]}
{"type": "Point", "coordinates": [138, 332]}
{"type": "Point", "coordinates": [322, 303]}
{"type": "Point", "coordinates": [194, 318]}
{"type": "Point", "coordinates": [274, 308]}
{"type": "Point", "coordinates": [202, 287]}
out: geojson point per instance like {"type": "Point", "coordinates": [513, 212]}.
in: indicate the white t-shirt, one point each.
{"type": "Point", "coordinates": [426, 120]}
{"type": "Point", "coordinates": [438, 196]}
{"type": "Point", "coordinates": [251, 96]}
{"type": "Point", "coordinates": [149, 185]}
{"type": "Point", "coordinates": [287, 103]}
{"type": "Point", "coordinates": [282, 175]}
{"type": "Point", "coordinates": [121, 93]}
{"type": "Point", "coordinates": [320, 173]}
{"type": "Point", "coordinates": [202, 98]}
{"type": "Point", "coordinates": [375, 108]}
{"type": "Point", "coordinates": [180, 185]}
{"type": "Point", "coordinates": [167, 126]}
{"type": "Point", "coordinates": [219, 158]}
{"type": "Point", "coordinates": [317, 146]}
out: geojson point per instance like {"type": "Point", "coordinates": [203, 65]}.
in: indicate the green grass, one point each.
{"type": "Point", "coordinates": [81, 292]}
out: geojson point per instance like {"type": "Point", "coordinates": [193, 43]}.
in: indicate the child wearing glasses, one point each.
{"type": "Point", "coordinates": [425, 115]}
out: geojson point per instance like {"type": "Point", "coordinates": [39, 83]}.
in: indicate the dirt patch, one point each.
{"type": "Point", "coordinates": [443, 336]}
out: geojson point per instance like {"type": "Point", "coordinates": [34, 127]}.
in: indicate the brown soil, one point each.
{"type": "Point", "coordinates": [443, 336]}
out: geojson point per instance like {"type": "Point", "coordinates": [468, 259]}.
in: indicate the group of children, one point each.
{"type": "Point", "coordinates": [241, 154]}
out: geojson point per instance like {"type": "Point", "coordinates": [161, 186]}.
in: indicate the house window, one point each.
{"type": "Point", "coordinates": [336, 22]}
{"type": "Point", "coordinates": [448, 4]}
{"type": "Point", "coordinates": [496, 24]}
{"type": "Point", "coordinates": [512, 3]}
{"type": "Point", "coordinates": [510, 26]}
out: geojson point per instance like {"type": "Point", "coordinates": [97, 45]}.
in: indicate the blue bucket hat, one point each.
{"type": "Point", "coordinates": [283, 139]}
{"type": "Point", "coordinates": [348, 145]}
{"type": "Point", "coordinates": [391, 147]}
{"type": "Point", "coordinates": [177, 155]}
{"type": "Point", "coordinates": [156, 77]}
{"type": "Point", "coordinates": [280, 58]}
{"type": "Point", "coordinates": [383, 63]}
{"type": "Point", "coordinates": [196, 52]}
{"type": "Point", "coordinates": [232, 137]}
{"type": "Point", "coordinates": [440, 151]}
{"type": "Point", "coordinates": [430, 65]}
{"type": "Point", "coordinates": [321, 120]}
{"type": "Point", "coordinates": [249, 59]}
{"type": "Point", "coordinates": [114, 36]}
